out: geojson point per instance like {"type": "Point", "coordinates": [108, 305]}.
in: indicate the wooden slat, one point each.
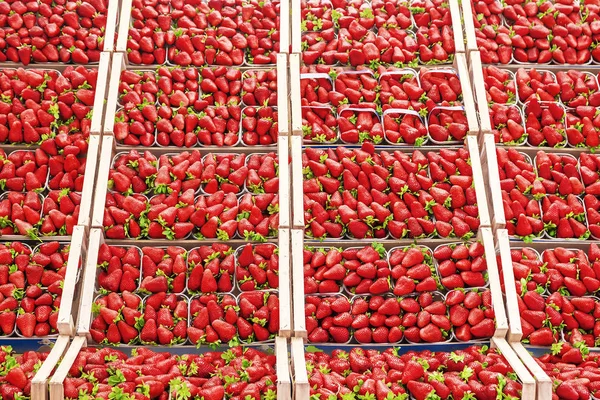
{"type": "Point", "coordinates": [467, 18]}
{"type": "Point", "coordinates": [515, 332]}
{"type": "Point", "coordinates": [543, 381]}
{"type": "Point", "coordinates": [285, 33]}
{"type": "Point", "coordinates": [77, 252]}
{"type": "Point", "coordinates": [491, 173]}
{"type": "Point", "coordinates": [487, 237]}
{"type": "Point", "coordinates": [297, 179]}
{"type": "Point", "coordinates": [459, 40]}
{"type": "Point", "coordinates": [111, 25]}
{"type": "Point", "coordinates": [298, 287]}
{"type": "Point", "coordinates": [529, 384]}
{"type": "Point", "coordinates": [476, 70]}
{"type": "Point", "coordinates": [295, 100]}
{"type": "Point", "coordinates": [106, 155]}
{"type": "Point", "coordinates": [88, 283]}
{"type": "Point", "coordinates": [284, 381]}
{"type": "Point", "coordinates": [460, 63]}
{"type": "Point", "coordinates": [301, 385]}
{"type": "Point", "coordinates": [283, 96]}
{"type": "Point", "coordinates": [124, 23]}
{"type": "Point", "coordinates": [101, 87]}
{"type": "Point", "coordinates": [118, 65]}
{"type": "Point", "coordinates": [39, 383]}
{"type": "Point", "coordinates": [479, 183]}
{"type": "Point", "coordinates": [285, 191]}
{"type": "Point", "coordinates": [57, 390]}
{"type": "Point", "coordinates": [89, 182]}
{"type": "Point", "coordinates": [285, 279]}
{"type": "Point", "coordinates": [296, 26]}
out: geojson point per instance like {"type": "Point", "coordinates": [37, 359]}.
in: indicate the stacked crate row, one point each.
{"type": "Point", "coordinates": [534, 75]}
{"type": "Point", "coordinates": [55, 77]}
{"type": "Point", "coordinates": [120, 279]}
{"type": "Point", "coordinates": [392, 238]}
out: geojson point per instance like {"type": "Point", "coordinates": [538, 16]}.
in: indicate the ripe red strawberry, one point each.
{"type": "Point", "coordinates": [257, 267]}
{"type": "Point", "coordinates": [334, 309]}
{"type": "Point", "coordinates": [212, 269]}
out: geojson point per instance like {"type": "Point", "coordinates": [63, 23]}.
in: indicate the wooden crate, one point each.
{"type": "Point", "coordinates": [89, 290]}
{"type": "Point", "coordinates": [56, 387]}
{"type": "Point", "coordinates": [515, 332]}
{"type": "Point", "coordinates": [301, 386]}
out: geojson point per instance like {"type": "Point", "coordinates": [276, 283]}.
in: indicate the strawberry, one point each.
{"type": "Point", "coordinates": [257, 87]}
{"type": "Point", "coordinates": [257, 267]}
{"type": "Point", "coordinates": [319, 125]}
{"type": "Point", "coordinates": [259, 126]}
{"type": "Point", "coordinates": [333, 308]}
